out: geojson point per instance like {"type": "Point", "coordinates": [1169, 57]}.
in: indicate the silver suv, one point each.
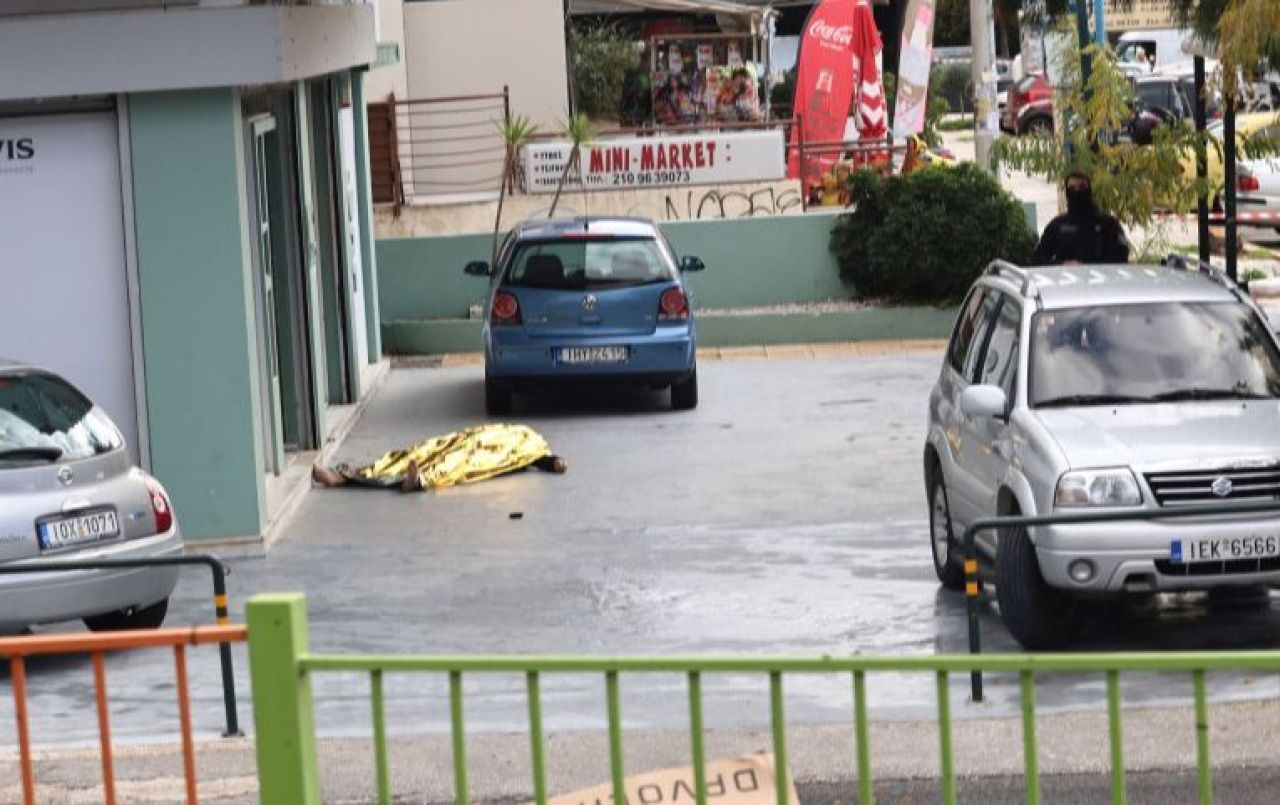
{"type": "Point", "coordinates": [1111, 388]}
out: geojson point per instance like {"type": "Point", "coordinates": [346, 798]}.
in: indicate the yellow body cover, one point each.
{"type": "Point", "coordinates": [463, 457]}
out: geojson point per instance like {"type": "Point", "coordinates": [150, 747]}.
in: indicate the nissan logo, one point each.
{"type": "Point", "coordinates": [590, 303]}
{"type": "Point", "coordinates": [1221, 487]}
{"type": "Point", "coordinates": [66, 475]}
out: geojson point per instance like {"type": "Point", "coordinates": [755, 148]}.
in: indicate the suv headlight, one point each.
{"type": "Point", "coordinates": [1110, 487]}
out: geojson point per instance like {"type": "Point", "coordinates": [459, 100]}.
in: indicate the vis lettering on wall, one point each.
{"type": "Point", "coordinates": [17, 149]}
{"type": "Point", "coordinates": [16, 155]}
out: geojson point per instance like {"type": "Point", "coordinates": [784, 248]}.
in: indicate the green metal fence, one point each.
{"type": "Point", "coordinates": [282, 665]}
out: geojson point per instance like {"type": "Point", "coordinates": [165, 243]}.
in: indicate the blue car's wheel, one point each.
{"type": "Point", "coordinates": [497, 400]}
{"type": "Point", "coordinates": [684, 395]}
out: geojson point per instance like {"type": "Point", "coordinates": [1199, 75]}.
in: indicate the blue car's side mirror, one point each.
{"type": "Point", "coordinates": [692, 264]}
{"type": "Point", "coordinates": [478, 268]}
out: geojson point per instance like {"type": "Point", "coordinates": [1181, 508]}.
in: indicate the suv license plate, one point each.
{"type": "Point", "coordinates": [79, 529]}
{"type": "Point", "coordinates": [593, 354]}
{"type": "Point", "coordinates": [1223, 549]}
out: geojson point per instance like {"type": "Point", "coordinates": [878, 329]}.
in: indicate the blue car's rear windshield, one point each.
{"type": "Point", "coordinates": [588, 263]}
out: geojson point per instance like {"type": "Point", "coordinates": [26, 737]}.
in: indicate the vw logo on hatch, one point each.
{"type": "Point", "coordinates": [66, 475]}
{"type": "Point", "coordinates": [590, 303]}
{"type": "Point", "coordinates": [1221, 487]}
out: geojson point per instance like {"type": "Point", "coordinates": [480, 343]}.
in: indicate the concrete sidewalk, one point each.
{"type": "Point", "coordinates": [1074, 755]}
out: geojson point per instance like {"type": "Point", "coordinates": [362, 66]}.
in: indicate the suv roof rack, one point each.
{"type": "Point", "coordinates": [1001, 268]}
{"type": "Point", "coordinates": [1208, 269]}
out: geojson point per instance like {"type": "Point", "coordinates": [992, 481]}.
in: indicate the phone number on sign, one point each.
{"type": "Point", "coordinates": [651, 177]}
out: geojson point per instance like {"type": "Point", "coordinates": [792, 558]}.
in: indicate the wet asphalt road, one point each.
{"type": "Point", "coordinates": [785, 516]}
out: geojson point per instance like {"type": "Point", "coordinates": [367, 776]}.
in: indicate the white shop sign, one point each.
{"type": "Point", "coordinates": [714, 158]}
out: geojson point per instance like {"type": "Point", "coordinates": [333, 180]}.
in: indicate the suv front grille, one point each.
{"type": "Point", "coordinates": [1182, 488]}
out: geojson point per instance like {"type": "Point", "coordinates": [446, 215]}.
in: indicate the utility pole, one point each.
{"type": "Point", "coordinates": [986, 117]}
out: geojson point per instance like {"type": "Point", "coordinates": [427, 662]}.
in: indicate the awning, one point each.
{"type": "Point", "coordinates": [668, 6]}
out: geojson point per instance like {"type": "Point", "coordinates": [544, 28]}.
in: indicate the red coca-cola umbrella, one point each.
{"type": "Point", "coordinates": [839, 62]}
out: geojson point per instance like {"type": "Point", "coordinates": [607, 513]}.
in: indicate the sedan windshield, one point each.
{"type": "Point", "coordinates": [588, 263]}
{"type": "Point", "coordinates": [42, 418]}
{"type": "Point", "coordinates": [1151, 353]}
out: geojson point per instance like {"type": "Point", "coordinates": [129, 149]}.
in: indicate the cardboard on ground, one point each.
{"type": "Point", "coordinates": [747, 780]}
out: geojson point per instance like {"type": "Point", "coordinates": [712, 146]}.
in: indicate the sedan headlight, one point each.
{"type": "Point", "coordinates": [1110, 487]}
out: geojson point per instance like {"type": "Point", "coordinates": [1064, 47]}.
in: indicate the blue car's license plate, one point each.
{"type": "Point", "coordinates": [587, 355]}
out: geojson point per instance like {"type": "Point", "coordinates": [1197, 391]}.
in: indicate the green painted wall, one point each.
{"type": "Point", "coordinates": [750, 261]}
{"type": "Point", "coordinates": [438, 336]}
{"type": "Point", "coordinates": [760, 261]}
{"type": "Point", "coordinates": [196, 292]}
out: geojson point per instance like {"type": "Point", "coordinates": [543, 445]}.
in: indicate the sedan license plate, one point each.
{"type": "Point", "coordinates": [79, 529]}
{"type": "Point", "coordinates": [578, 355]}
{"type": "Point", "coordinates": [1223, 549]}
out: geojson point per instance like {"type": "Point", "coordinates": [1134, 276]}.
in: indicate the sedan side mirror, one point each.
{"type": "Point", "coordinates": [692, 264]}
{"type": "Point", "coordinates": [478, 268]}
{"type": "Point", "coordinates": [987, 402]}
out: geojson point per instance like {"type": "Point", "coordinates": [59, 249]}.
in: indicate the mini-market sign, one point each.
{"type": "Point", "coordinates": [665, 161]}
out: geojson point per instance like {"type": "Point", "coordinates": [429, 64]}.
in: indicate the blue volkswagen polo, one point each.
{"type": "Point", "coordinates": [587, 300]}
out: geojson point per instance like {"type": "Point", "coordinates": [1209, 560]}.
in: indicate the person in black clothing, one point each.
{"type": "Point", "coordinates": [1084, 234]}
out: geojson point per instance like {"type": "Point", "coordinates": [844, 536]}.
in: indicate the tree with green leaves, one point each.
{"type": "Point", "coordinates": [580, 131]}
{"type": "Point", "coordinates": [515, 131]}
{"type": "Point", "coordinates": [1130, 181]}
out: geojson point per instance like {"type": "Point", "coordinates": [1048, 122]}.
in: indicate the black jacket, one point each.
{"type": "Point", "coordinates": [1091, 238]}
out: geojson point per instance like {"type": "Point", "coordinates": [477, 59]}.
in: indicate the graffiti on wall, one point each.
{"type": "Point", "coordinates": [735, 204]}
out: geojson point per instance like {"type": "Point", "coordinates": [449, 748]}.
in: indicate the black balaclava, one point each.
{"type": "Point", "coordinates": [1079, 201]}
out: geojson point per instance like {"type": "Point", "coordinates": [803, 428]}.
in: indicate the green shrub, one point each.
{"type": "Point", "coordinates": [602, 56]}
{"type": "Point", "coordinates": [955, 84]}
{"type": "Point", "coordinates": [926, 236]}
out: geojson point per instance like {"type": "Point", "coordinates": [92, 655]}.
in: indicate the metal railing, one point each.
{"type": "Point", "coordinates": [20, 649]}
{"type": "Point", "coordinates": [437, 146]}
{"type": "Point", "coordinates": [217, 571]}
{"type": "Point", "coordinates": [282, 667]}
{"type": "Point", "coordinates": [973, 583]}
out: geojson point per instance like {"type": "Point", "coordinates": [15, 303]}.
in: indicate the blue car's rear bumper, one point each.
{"type": "Point", "coordinates": [517, 360]}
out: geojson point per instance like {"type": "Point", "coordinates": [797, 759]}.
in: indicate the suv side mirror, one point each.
{"type": "Point", "coordinates": [478, 268]}
{"type": "Point", "coordinates": [692, 264]}
{"type": "Point", "coordinates": [984, 402]}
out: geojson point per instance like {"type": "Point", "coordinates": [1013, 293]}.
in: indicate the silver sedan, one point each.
{"type": "Point", "coordinates": [69, 491]}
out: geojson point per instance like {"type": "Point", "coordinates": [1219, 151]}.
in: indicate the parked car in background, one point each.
{"type": "Point", "coordinates": [1163, 99]}
{"type": "Point", "coordinates": [1104, 389]}
{"type": "Point", "coordinates": [1258, 171]}
{"type": "Point", "coordinates": [1255, 132]}
{"type": "Point", "coordinates": [588, 301]}
{"type": "Point", "coordinates": [1029, 109]}
{"type": "Point", "coordinates": [69, 491]}
{"type": "Point", "coordinates": [1140, 53]}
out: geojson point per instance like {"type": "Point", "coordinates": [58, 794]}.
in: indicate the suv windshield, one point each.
{"type": "Point", "coordinates": [1151, 353]}
{"type": "Point", "coordinates": [586, 263]}
{"type": "Point", "coordinates": [42, 418]}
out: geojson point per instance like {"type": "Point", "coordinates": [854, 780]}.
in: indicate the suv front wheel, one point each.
{"type": "Point", "coordinates": [1039, 617]}
{"type": "Point", "coordinates": [942, 542]}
